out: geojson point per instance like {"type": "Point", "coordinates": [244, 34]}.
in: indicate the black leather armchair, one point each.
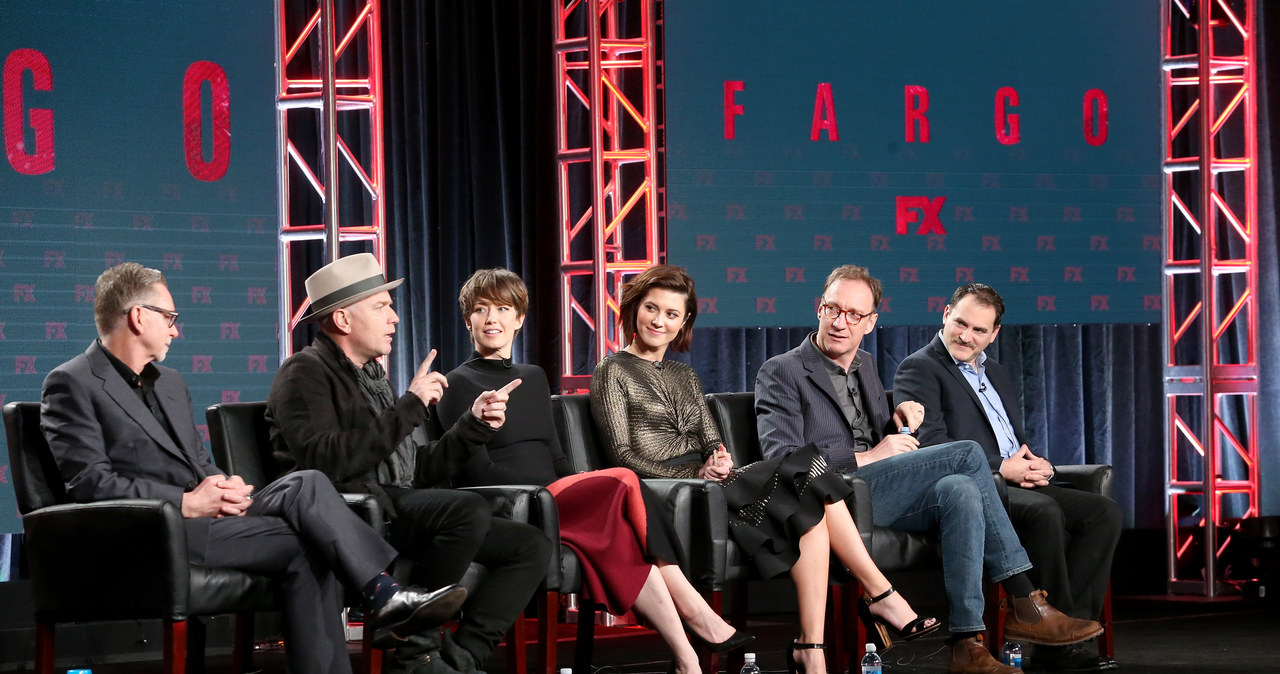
{"type": "Point", "coordinates": [119, 560]}
{"type": "Point", "coordinates": [240, 435]}
{"type": "Point", "coordinates": [697, 510]}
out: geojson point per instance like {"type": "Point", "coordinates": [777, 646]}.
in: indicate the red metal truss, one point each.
{"type": "Point", "coordinates": [608, 128]}
{"type": "Point", "coordinates": [1210, 289]}
{"type": "Point", "coordinates": [329, 67]}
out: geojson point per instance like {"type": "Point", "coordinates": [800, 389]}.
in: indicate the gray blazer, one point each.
{"type": "Point", "coordinates": [796, 405]}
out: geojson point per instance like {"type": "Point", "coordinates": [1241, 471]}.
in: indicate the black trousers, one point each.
{"type": "Point", "coordinates": [1070, 536]}
{"type": "Point", "coordinates": [301, 531]}
{"type": "Point", "coordinates": [444, 531]}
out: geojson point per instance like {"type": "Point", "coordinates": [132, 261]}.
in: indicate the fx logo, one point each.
{"type": "Point", "coordinates": [55, 259]}
{"type": "Point", "coordinates": [677, 211]}
{"type": "Point", "coordinates": [793, 212]}
{"type": "Point", "coordinates": [1046, 302]}
{"type": "Point", "coordinates": [935, 180]}
{"type": "Point", "coordinates": [1017, 214]}
{"type": "Point", "coordinates": [55, 330]}
{"type": "Point", "coordinates": [227, 194]}
{"type": "Point", "coordinates": [230, 331]}
{"type": "Point", "coordinates": [735, 275]}
{"type": "Point", "coordinates": [1098, 243]}
{"type": "Point", "coordinates": [1124, 274]}
{"type": "Point", "coordinates": [24, 364]}
{"type": "Point", "coordinates": [705, 177]}
{"type": "Point", "coordinates": [83, 220]}
{"type": "Point", "coordinates": [937, 303]}
{"type": "Point", "coordinates": [822, 242]}
{"type": "Point", "coordinates": [1018, 274]}
{"type": "Point", "coordinates": [884, 305]}
{"type": "Point", "coordinates": [200, 295]}
{"type": "Point", "coordinates": [1124, 213]}
{"type": "Point", "coordinates": [879, 242]}
{"type": "Point", "coordinates": [24, 292]}
{"type": "Point", "coordinates": [256, 294]}
{"type": "Point", "coordinates": [112, 189]}
{"type": "Point", "coordinates": [1045, 242]}
{"type": "Point", "coordinates": [910, 209]}
{"type": "Point", "coordinates": [255, 225]}
{"type": "Point", "coordinates": [964, 214]}
{"type": "Point", "coordinates": [1072, 274]}
{"type": "Point", "coordinates": [908, 274]}
{"type": "Point", "coordinates": [935, 242]}
{"type": "Point", "coordinates": [1150, 242]}
{"type": "Point", "coordinates": [84, 293]}
{"type": "Point", "coordinates": [53, 188]}
{"type": "Point", "coordinates": [203, 430]}
{"type": "Point", "coordinates": [707, 305]}
{"type": "Point", "coordinates": [851, 212]}
{"type": "Point", "coordinates": [172, 261]}
{"type": "Point", "coordinates": [991, 242]}
{"type": "Point", "coordinates": [228, 262]}
{"type": "Point", "coordinates": [1151, 302]}
{"type": "Point", "coordinates": [1071, 214]}
{"type": "Point", "coordinates": [795, 275]}
{"type": "Point", "coordinates": [735, 212]}
{"type": "Point", "coordinates": [764, 177]}
{"type": "Point", "coordinates": [112, 258]}
{"type": "Point", "coordinates": [1046, 181]}
{"type": "Point", "coordinates": [202, 363]}
{"type": "Point", "coordinates": [170, 192]}
{"type": "Point", "coordinates": [879, 179]}
{"type": "Point", "coordinates": [230, 396]}
{"type": "Point", "coordinates": [765, 305]}
{"type": "Point", "coordinates": [23, 219]}
{"type": "Point", "coordinates": [991, 180]}
{"type": "Point", "coordinates": [1098, 182]}
{"type": "Point", "coordinates": [257, 363]}
{"type": "Point", "coordinates": [142, 221]}
{"type": "Point", "coordinates": [706, 242]}
{"type": "Point", "coordinates": [822, 179]}
{"type": "Point", "coordinates": [199, 223]}
{"type": "Point", "coordinates": [1099, 302]}
{"type": "Point", "coordinates": [764, 242]}
{"type": "Point", "coordinates": [964, 274]}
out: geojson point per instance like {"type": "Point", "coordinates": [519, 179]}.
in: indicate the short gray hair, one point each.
{"type": "Point", "coordinates": [119, 288]}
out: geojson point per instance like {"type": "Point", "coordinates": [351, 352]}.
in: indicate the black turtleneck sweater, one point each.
{"type": "Point", "coordinates": [526, 450]}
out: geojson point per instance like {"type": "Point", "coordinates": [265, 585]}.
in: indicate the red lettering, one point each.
{"type": "Point", "coordinates": [731, 109]}
{"type": "Point", "coordinates": [40, 160]}
{"type": "Point", "coordinates": [1008, 131]}
{"type": "Point", "coordinates": [824, 113]}
{"type": "Point", "coordinates": [1095, 123]}
{"type": "Point", "coordinates": [915, 103]}
{"type": "Point", "coordinates": [193, 123]}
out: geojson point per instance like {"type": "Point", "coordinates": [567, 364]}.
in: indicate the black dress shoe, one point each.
{"type": "Point", "coordinates": [1073, 658]}
{"type": "Point", "coordinates": [737, 640]}
{"type": "Point", "coordinates": [411, 610]}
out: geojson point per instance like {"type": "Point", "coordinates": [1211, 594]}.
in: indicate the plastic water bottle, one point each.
{"type": "Point", "coordinates": [749, 664]}
{"type": "Point", "coordinates": [871, 661]}
{"type": "Point", "coordinates": [1011, 654]}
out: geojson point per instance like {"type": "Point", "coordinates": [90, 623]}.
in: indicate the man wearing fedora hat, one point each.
{"type": "Point", "coordinates": [332, 409]}
{"type": "Point", "coordinates": [120, 426]}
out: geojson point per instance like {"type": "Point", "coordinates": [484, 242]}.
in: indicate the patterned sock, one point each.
{"type": "Point", "coordinates": [378, 591]}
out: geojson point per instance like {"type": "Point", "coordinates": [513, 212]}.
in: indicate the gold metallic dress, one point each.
{"type": "Point", "coordinates": [654, 420]}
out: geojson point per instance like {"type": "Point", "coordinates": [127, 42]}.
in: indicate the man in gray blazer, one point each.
{"type": "Point", "coordinates": [1069, 534]}
{"type": "Point", "coordinates": [120, 425]}
{"type": "Point", "coordinates": [826, 391]}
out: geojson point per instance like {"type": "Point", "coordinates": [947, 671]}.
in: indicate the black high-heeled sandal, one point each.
{"type": "Point", "coordinates": [792, 665]}
{"type": "Point", "coordinates": [879, 630]}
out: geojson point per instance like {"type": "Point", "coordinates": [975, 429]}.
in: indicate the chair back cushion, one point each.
{"type": "Point", "coordinates": [577, 430]}
{"type": "Point", "coordinates": [735, 416]}
{"type": "Point", "coordinates": [241, 441]}
{"type": "Point", "coordinates": [36, 478]}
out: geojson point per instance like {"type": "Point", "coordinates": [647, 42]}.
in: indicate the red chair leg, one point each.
{"type": "Point", "coordinates": [1106, 642]}
{"type": "Point", "coordinates": [242, 647]}
{"type": "Point", "coordinates": [548, 631]}
{"type": "Point", "coordinates": [372, 655]}
{"type": "Point", "coordinates": [737, 618]}
{"type": "Point", "coordinates": [516, 652]}
{"type": "Point", "coordinates": [861, 635]}
{"type": "Point", "coordinates": [44, 648]}
{"type": "Point", "coordinates": [837, 649]}
{"type": "Point", "coordinates": [175, 646]}
{"type": "Point", "coordinates": [994, 618]}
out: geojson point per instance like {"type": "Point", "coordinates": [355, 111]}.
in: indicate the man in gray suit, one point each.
{"type": "Point", "coordinates": [826, 391]}
{"type": "Point", "coordinates": [120, 426]}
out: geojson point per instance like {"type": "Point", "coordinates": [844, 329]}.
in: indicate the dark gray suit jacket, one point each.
{"type": "Point", "coordinates": [952, 410]}
{"type": "Point", "coordinates": [108, 445]}
{"type": "Point", "coordinates": [796, 404]}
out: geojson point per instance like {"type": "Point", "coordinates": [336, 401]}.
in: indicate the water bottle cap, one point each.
{"type": "Point", "coordinates": [749, 657]}
{"type": "Point", "coordinates": [566, 670]}
{"type": "Point", "coordinates": [871, 648]}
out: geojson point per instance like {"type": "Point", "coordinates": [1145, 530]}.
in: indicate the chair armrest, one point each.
{"type": "Point", "coordinates": [1002, 488]}
{"type": "Point", "coordinates": [532, 505]}
{"type": "Point", "coordinates": [110, 560]}
{"type": "Point", "coordinates": [1095, 478]}
{"type": "Point", "coordinates": [367, 508]}
{"type": "Point", "coordinates": [700, 518]}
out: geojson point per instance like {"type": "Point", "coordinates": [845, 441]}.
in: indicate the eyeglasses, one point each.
{"type": "Point", "coordinates": [171, 315]}
{"type": "Point", "coordinates": [833, 313]}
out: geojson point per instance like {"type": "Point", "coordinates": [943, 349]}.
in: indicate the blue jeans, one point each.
{"type": "Point", "coordinates": [949, 488]}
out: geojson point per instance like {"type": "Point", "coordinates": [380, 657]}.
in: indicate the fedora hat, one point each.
{"type": "Point", "coordinates": [344, 282]}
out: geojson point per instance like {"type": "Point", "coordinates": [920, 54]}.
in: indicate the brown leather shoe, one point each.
{"type": "Point", "coordinates": [1032, 619]}
{"type": "Point", "coordinates": [970, 656]}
